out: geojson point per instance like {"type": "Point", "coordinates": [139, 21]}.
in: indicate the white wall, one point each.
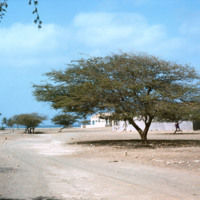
{"type": "Point", "coordinates": [93, 126]}
{"type": "Point", "coordinates": [154, 126]}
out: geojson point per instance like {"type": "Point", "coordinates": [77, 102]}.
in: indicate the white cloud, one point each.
{"type": "Point", "coordinates": [94, 34]}
{"type": "Point", "coordinates": [102, 33]}
{"type": "Point", "coordinates": [117, 30]}
{"type": "Point", "coordinates": [25, 45]}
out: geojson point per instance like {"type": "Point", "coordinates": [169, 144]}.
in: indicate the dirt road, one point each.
{"type": "Point", "coordinates": [47, 166]}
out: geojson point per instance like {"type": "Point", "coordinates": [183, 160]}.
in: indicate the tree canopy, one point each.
{"type": "Point", "coordinates": [130, 86]}
{"type": "Point", "coordinates": [66, 120]}
{"type": "Point", "coordinates": [30, 121]}
{"type": "Point", "coordinates": [8, 122]}
{"type": "Point", "coordinates": [4, 6]}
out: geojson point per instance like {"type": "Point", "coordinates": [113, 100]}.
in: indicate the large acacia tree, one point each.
{"type": "Point", "coordinates": [130, 86]}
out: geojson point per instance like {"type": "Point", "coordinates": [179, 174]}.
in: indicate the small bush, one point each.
{"type": "Point", "coordinates": [2, 128]}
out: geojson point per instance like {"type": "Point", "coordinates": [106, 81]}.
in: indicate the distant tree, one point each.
{"type": "Point", "coordinates": [177, 113]}
{"type": "Point", "coordinates": [66, 120]}
{"type": "Point", "coordinates": [8, 122]}
{"type": "Point", "coordinates": [4, 6]}
{"type": "Point", "coordinates": [4, 121]}
{"type": "Point", "coordinates": [2, 128]}
{"type": "Point", "coordinates": [30, 121]}
{"type": "Point", "coordinates": [131, 87]}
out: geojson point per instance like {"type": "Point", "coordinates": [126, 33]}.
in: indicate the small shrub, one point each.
{"type": "Point", "coordinates": [2, 128]}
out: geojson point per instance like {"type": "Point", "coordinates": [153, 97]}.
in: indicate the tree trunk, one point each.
{"type": "Point", "coordinates": [29, 130]}
{"type": "Point", "coordinates": [143, 136]}
{"type": "Point", "coordinates": [143, 133]}
{"type": "Point", "coordinates": [62, 128]}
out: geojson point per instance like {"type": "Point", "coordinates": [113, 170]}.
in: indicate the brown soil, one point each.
{"type": "Point", "coordinates": [99, 164]}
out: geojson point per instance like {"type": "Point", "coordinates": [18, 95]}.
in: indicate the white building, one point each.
{"type": "Point", "coordinates": [119, 126]}
{"type": "Point", "coordinates": [97, 122]}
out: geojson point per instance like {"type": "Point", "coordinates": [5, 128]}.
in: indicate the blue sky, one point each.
{"type": "Point", "coordinates": [168, 29]}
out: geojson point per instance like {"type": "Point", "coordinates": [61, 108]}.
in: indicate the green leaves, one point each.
{"type": "Point", "coordinates": [30, 121]}
{"type": "Point", "coordinates": [66, 120]}
{"type": "Point", "coordinates": [122, 83]}
{"type": "Point", "coordinates": [4, 6]}
{"type": "Point", "coordinates": [35, 11]}
{"type": "Point", "coordinates": [127, 85]}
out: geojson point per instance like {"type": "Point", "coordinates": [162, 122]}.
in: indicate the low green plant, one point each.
{"type": "Point", "coordinates": [2, 128]}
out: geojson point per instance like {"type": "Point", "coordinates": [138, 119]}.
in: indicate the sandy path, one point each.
{"type": "Point", "coordinates": [45, 165]}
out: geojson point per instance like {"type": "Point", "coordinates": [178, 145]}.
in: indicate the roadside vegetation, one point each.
{"type": "Point", "coordinates": [65, 120]}
{"type": "Point", "coordinates": [29, 121]}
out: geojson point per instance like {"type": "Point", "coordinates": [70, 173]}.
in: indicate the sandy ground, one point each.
{"type": "Point", "coordinates": [99, 164]}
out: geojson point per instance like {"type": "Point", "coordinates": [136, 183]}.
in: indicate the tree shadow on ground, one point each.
{"type": "Point", "coordinates": [45, 198]}
{"type": "Point", "coordinates": [7, 170]}
{"type": "Point", "coordinates": [36, 132]}
{"type": "Point", "coordinates": [131, 144]}
{"type": "Point", "coordinates": [37, 198]}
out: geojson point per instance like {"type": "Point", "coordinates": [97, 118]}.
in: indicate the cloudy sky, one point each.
{"type": "Point", "coordinates": [168, 29]}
